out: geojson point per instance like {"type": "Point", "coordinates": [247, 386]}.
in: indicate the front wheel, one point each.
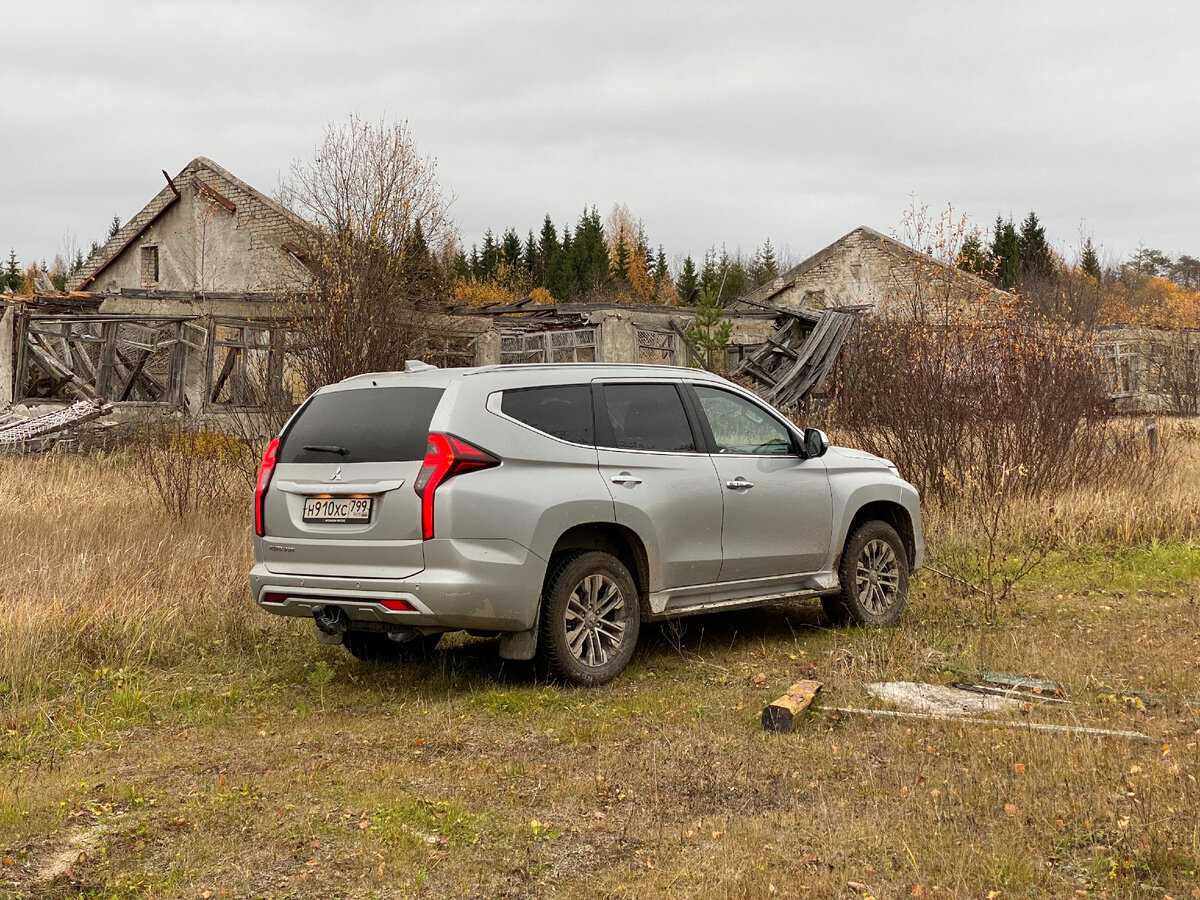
{"type": "Point", "coordinates": [874, 578]}
{"type": "Point", "coordinates": [590, 618]}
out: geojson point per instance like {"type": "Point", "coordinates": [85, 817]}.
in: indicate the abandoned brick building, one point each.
{"type": "Point", "coordinates": [181, 309]}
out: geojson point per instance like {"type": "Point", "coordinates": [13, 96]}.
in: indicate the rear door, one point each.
{"type": "Point", "coordinates": [341, 501]}
{"type": "Point", "coordinates": [778, 515]}
{"type": "Point", "coordinates": [662, 484]}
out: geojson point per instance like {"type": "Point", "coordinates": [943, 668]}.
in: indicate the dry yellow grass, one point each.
{"type": "Point", "coordinates": [154, 720]}
{"type": "Point", "coordinates": [95, 573]}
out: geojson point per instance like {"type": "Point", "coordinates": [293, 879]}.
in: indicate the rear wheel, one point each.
{"type": "Point", "coordinates": [590, 618]}
{"type": "Point", "coordinates": [377, 647]}
{"type": "Point", "coordinates": [874, 578]}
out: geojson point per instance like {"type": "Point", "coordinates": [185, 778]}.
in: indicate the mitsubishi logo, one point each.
{"type": "Point", "coordinates": [337, 476]}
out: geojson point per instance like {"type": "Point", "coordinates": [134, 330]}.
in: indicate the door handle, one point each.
{"type": "Point", "coordinates": [739, 484]}
{"type": "Point", "coordinates": [626, 478]}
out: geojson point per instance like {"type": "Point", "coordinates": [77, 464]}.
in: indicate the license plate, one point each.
{"type": "Point", "coordinates": [337, 510]}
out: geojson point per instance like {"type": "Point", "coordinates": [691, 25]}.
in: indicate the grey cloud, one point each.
{"type": "Point", "coordinates": [717, 123]}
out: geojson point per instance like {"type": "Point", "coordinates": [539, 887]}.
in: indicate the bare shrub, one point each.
{"type": "Point", "coordinates": [980, 415]}
{"type": "Point", "coordinates": [188, 469]}
{"type": "Point", "coordinates": [955, 405]}
{"type": "Point", "coordinates": [1175, 369]}
{"type": "Point", "coordinates": [371, 220]}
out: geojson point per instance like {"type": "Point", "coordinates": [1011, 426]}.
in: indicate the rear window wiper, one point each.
{"type": "Point", "coordinates": [327, 448]}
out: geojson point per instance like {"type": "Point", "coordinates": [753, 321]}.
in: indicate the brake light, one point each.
{"type": "Point", "coordinates": [266, 469]}
{"type": "Point", "coordinates": [445, 457]}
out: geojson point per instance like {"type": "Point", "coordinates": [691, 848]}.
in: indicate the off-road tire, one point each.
{"type": "Point", "coordinates": [850, 606]}
{"type": "Point", "coordinates": [568, 572]}
{"type": "Point", "coordinates": [377, 647]}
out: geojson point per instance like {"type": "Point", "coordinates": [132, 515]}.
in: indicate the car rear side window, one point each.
{"type": "Point", "coordinates": [563, 411]}
{"type": "Point", "coordinates": [648, 417]}
{"type": "Point", "coordinates": [362, 425]}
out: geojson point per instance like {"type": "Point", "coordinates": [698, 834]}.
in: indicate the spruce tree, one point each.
{"type": "Point", "coordinates": [533, 260]}
{"type": "Point", "coordinates": [1037, 260]}
{"type": "Point", "coordinates": [764, 267]}
{"type": "Point", "coordinates": [590, 254]}
{"type": "Point", "coordinates": [708, 333]}
{"type": "Point", "coordinates": [510, 250]}
{"type": "Point", "coordinates": [489, 257]}
{"type": "Point", "coordinates": [562, 278]}
{"type": "Point", "coordinates": [687, 284]}
{"type": "Point", "coordinates": [1006, 255]}
{"type": "Point", "coordinates": [972, 257]}
{"type": "Point", "coordinates": [548, 249]}
{"type": "Point", "coordinates": [1090, 260]}
{"type": "Point", "coordinates": [710, 274]}
{"type": "Point", "coordinates": [735, 279]}
{"type": "Point", "coordinates": [619, 264]}
{"type": "Point", "coordinates": [662, 274]}
{"type": "Point", "coordinates": [12, 273]}
{"type": "Point", "coordinates": [113, 227]}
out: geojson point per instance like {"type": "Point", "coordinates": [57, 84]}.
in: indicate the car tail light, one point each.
{"type": "Point", "coordinates": [396, 605]}
{"type": "Point", "coordinates": [445, 457]}
{"type": "Point", "coordinates": [265, 470]}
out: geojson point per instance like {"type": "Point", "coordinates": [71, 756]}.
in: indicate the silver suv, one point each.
{"type": "Point", "coordinates": [560, 507]}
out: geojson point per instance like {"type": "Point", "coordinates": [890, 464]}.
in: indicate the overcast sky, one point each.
{"type": "Point", "coordinates": [716, 123]}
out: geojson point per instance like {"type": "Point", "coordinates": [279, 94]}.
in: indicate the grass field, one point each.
{"type": "Point", "coordinates": [160, 737]}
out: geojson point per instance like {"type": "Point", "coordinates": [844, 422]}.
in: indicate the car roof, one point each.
{"type": "Point", "coordinates": [440, 377]}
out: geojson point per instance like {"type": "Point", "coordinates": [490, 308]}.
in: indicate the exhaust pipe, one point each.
{"type": "Point", "coordinates": [331, 620]}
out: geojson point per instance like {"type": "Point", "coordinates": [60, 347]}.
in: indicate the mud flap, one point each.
{"type": "Point", "coordinates": [520, 645]}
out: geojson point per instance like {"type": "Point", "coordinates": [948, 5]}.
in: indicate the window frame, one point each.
{"type": "Point", "coordinates": [603, 433]}
{"type": "Point", "coordinates": [797, 447]}
{"type": "Point", "coordinates": [495, 405]}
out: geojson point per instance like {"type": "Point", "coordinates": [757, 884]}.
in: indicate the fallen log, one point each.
{"type": "Point", "coordinates": [780, 715]}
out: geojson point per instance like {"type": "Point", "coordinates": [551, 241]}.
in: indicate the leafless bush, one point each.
{"type": "Point", "coordinates": [959, 405]}
{"type": "Point", "coordinates": [188, 469]}
{"type": "Point", "coordinates": [980, 415]}
{"type": "Point", "coordinates": [1175, 368]}
{"type": "Point", "coordinates": [376, 217]}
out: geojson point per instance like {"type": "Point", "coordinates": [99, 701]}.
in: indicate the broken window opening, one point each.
{"type": "Point", "coordinates": [149, 265]}
{"type": "Point", "coordinates": [252, 365]}
{"type": "Point", "coordinates": [657, 348]}
{"type": "Point", "coordinates": [123, 360]}
{"type": "Point", "coordinates": [577, 345]}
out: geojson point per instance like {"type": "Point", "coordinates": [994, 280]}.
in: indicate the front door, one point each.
{"type": "Point", "coordinates": [778, 513]}
{"type": "Point", "coordinates": [663, 486]}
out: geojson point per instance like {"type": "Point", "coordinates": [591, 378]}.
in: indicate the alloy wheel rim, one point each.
{"type": "Point", "coordinates": [877, 576]}
{"type": "Point", "coordinates": [595, 623]}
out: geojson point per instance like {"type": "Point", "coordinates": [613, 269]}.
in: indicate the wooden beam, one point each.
{"type": "Point", "coordinates": [226, 370]}
{"type": "Point", "coordinates": [151, 384]}
{"type": "Point", "coordinates": [46, 361]}
{"type": "Point", "coordinates": [211, 193]}
{"type": "Point", "coordinates": [137, 370]}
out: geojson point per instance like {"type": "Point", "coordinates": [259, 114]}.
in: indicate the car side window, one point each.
{"type": "Point", "coordinates": [739, 426]}
{"type": "Point", "coordinates": [563, 411]}
{"type": "Point", "coordinates": [648, 417]}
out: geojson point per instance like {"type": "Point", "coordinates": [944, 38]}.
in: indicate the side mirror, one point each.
{"type": "Point", "coordinates": [816, 442]}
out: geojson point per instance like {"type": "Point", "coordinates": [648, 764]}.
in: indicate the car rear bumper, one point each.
{"type": "Point", "coordinates": [493, 585]}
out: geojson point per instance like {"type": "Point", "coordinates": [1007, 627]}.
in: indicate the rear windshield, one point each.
{"type": "Point", "coordinates": [362, 425]}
